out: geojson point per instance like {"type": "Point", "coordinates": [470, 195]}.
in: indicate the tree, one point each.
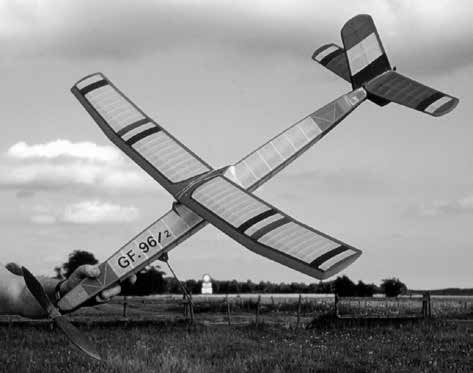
{"type": "Point", "coordinates": [344, 287]}
{"type": "Point", "coordinates": [58, 273]}
{"type": "Point", "coordinates": [76, 259]}
{"type": "Point", "coordinates": [392, 287]}
{"type": "Point", "coordinates": [150, 280]}
{"type": "Point", "coordinates": [365, 290]}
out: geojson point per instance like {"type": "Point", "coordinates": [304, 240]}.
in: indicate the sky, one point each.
{"type": "Point", "coordinates": [223, 77]}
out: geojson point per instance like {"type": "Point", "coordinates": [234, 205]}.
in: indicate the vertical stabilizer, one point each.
{"type": "Point", "coordinates": [366, 56]}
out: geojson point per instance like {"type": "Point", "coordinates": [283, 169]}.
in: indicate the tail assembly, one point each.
{"type": "Point", "coordinates": [364, 63]}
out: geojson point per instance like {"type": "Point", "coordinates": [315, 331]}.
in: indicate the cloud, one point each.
{"type": "Point", "coordinates": [417, 29]}
{"type": "Point", "coordinates": [456, 207]}
{"type": "Point", "coordinates": [64, 148]}
{"type": "Point", "coordinates": [85, 212]}
{"type": "Point", "coordinates": [90, 212]}
{"type": "Point", "coordinates": [63, 164]}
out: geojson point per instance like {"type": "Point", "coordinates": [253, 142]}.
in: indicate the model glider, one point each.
{"type": "Point", "coordinates": [224, 197]}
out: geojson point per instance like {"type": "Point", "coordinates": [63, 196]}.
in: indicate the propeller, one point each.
{"type": "Point", "coordinates": [71, 332]}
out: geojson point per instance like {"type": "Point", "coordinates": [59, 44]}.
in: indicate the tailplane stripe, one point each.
{"type": "Point", "coordinates": [326, 60]}
{"type": "Point", "coordinates": [424, 104]}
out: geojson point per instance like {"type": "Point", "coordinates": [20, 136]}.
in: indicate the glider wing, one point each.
{"type": "Point", "coordinates": [168, 161]}
{"type": "Point", "coordinates": [266, 230]}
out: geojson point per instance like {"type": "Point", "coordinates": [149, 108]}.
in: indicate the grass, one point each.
{"type": "Point", "coordinates": [437, 346]}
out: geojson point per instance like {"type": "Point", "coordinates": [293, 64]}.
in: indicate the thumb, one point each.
{"type": "Point", "coordinates": [81, 272]}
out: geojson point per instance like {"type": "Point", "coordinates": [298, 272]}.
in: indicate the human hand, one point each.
{"type": "Point", "coordinates": [92, 271]}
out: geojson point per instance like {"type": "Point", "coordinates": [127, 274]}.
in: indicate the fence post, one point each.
{"type": "Point", "coordinates": [426, 306]}
{"type": "Point", "coordinates": [125, 304]}
{"type": "Point", "coordinates": [257, 309]}
{"type": "Point", "coordinates": [299, 304]}
{"type": "Point", "coordinates": [191, 306]}
{"type": "Point", "coordinates": [228, 312]}
{"type": "Point", "coordinates": [185, 302]}
{"type": "Point", "coordinates": [336, 305]}
{"type": "Point", "coordinates": [429, 306]}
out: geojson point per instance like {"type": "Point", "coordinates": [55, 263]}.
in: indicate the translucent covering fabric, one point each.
{"type": "Point", "coordinates": [398, 88]}
{"type": "Point", "coordinates": [267, 160]}
{"type": "Point", "coordinates": [182, 222]}
{"type": "Point", "coordinates": [147, 143]}
{"type": "Point", "coordinates": [365, 53]}
{"type": "Point", "coordinates": [160, 237]}
{"type": "Point", "coordinates": [266, 230]}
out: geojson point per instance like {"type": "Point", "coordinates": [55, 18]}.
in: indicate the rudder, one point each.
{"type": "Point", "coordinates": [365, 53]}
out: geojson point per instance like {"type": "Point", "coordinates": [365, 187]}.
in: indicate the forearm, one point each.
{"type": "Point", "coordinates": [10, 290]}
{"type": "Point", "coordinates": [16, 299]}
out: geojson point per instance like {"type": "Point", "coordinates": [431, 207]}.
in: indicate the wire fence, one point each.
{"type": "Point", "coordinates": [289, 309]}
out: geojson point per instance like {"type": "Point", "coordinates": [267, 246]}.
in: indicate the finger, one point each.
{"type": "Point", "coordinates": [87, 270]}
{"type": "Point", "coordinates": [107, 294]}
{"type": "Point", "coordinates": [81, 272]}
{"type": "Point", "coordinates": [131, 280]}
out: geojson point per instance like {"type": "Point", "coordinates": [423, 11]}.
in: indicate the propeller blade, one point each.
{"type": "Point", "coordinates": [14, 268]}
{"type": "Point", "coordinates": [35, 287]}
{"type": "Point", "coordinates": [71, 332]}
{"type": "Point", "coordinates": [76, 337]}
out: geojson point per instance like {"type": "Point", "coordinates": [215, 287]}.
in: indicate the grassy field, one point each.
{"type": "Point", "coordinates": [437, 346]}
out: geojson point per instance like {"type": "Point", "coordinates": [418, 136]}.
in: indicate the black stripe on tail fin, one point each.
{"type": "Point", "coordinates": [365, 54]}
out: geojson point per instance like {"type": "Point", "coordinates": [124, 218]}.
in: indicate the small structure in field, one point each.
{"type": "Point", "coordinates": [206, 284]}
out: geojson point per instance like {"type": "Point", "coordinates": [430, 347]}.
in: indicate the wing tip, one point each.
{"type": "Point", "coordinates": [319, 54]}
{"type": "Point", "coordinates": [446, 108]}
{"type": "Point", "coordinates": [342, 264]}
{"type": "Point", "coordinates": [89, 79]}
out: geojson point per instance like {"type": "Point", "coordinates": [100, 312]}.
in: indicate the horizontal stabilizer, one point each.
{"type": "Point", "coordinates": [333, 58]}
{"type": "Point", "coordinates": [398, 88]}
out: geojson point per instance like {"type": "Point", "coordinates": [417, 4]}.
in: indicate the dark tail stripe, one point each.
{"type": "Point", "coordinates": [255, 219]}
{"type": "Point", "coordinates": [91, 87]}
{"type": "Point", "coordinates": [424, 104]}
{"type": "Point", "coordinates": [325, 61]}
{"type": "Point", "coordinates": [268, 228]}
{"type": "Point", "coordinates": [132, 126]}
{"type": "Point", "coordinates": [323, 258]}
{"type": "Point", "coordinates": [142, 135]}
{"type": "Point", "coordinates": [375, 68]}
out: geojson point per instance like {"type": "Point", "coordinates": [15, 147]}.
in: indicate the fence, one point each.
{"type": "Point", "coordinates": [384, 308]}
{"type": "Point", "coordinates": [236, 308]}
{"type": "Point", "coordinates": [287, 309]}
